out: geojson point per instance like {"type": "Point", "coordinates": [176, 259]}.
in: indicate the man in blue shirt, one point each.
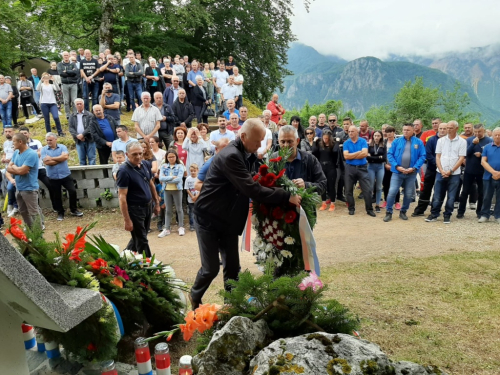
{"type": "Point", "coordinates": [24, 168]}
{"type": "Point", "coordinates": [221, 133]}
{"type": "Point", "coordinates": [219, 145]}
{"type": "Point", "coordinates": [406, 156]}
{"type": "Point", "coordinates": [491, 178]}
{"type": "Point", "coordinates": [356, 169]}
{"type": "Point", "coordinates": [103, 128]}
{"type": "Point", "coordinates": [55, 157]}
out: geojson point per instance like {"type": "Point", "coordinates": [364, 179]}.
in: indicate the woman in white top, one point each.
{"type": "Point", "coordinates": [195, 147]}
{"type": "Point", "coordinates": [158, 152]}
{"type": "Point", "coordinates": [48, 102]}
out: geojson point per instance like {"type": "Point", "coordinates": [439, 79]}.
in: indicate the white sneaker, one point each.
{"type": "Point", "coordinates": [472, 206]}
{"type": "Point", "coordinates": [164, 232]}
{"type": "Point", "coordinates": [483, 219]}
{"type": "Point", "coordinates": [455, 205]}
{"type": "Point", "coordinates": [9, 209]}
{"type": "Point", "coordinates": [181, 231]}
{"type": "Point", "coordinates": [13, 212]}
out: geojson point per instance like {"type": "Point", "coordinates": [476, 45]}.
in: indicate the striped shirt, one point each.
{"type": "Point", "coordinates": [147, 119]}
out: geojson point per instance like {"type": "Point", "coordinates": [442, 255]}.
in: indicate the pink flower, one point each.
{"type": "Point", "coordinates": [311, 281]}
{"type": "Point", "coordinates": [121, 273]}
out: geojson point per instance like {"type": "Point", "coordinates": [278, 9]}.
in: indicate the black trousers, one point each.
{"type": "Point", "coordinates": [340, 186]}
{"type": "Point", "coordinates": [29, 100]}
{"type": "Point", "coordinates": [468, 188]}
{"type": "Point", "coordinates": [69, 185]}
{"type": "Point", "coordinates": [330, 172]}
{"type": "Point", "coordinates": [165, 138]}
{"type": "Point", "coordinates": [141, 220]}
{"type": "Point", "coordinates": [42, 176]}
{"type": "Point", "coordinates": [425, 195]}
{"type": "Point", "coordinates": [104, 154]}
{"type": "Point", "coordinates": [353, 174]}
{"type": "Point", "coordinates": [199, 114]}
{"type": "Point", "coordinates": [211, 243]}
{"type": "Point", "coordinates": [15, 111]}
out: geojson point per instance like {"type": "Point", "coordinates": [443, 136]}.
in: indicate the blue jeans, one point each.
{"type": "Point", "coordinates": [134, 90]}
{"type": "Point", "coordinates": [6, 113]}
{"type": "Point", "coordinates": [47, 109]}
{"type": "Point", "coordinates": [191, 214]}
{"type": "Point", "coordinates": [408, 183]}
{"type": "Point", "coordinates": [37, 100]}
{"type": "Point", "coordinates": [441, 187]}
{"type": "Point", "coordinates": [491, 187]}
{"type": "Point", "coordinates": [122, 91]}
{"type": "Point", "coordinates": [11, 191]}
{"type": "Point", "coordinates": [376, 173]}
{"type": "Point", "coordinates": [86, 150]}
{"type": "Point", "coordinates": [88, 88]}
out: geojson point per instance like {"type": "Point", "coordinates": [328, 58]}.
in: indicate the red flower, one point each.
{"type": "Point", "coordinates": [276, 160]}
{"type": "Point", "coordinates": [15, 230]}
{"type": "Point", "coordinates": [170, 336]}
{"type": "Point", "coordinates": [78, 246]}
{"type": "Point", "coordinates": [263, 169]}
{"type": "Point", "coordinates": [278, 213]}
{"type": "Point", "coordinates": [268, 180]}
{"type": "Point", "coordinates": [100, 265]}
{"type": "Point", "coordinates": [264, 210]}
{"type": "Point", "coordinates": [282, 172]}
{"type": "Point", "coordinates": [290, 216]}
{"type": "Point", "coordinates": [91, 347]}
{"type": "Point", "coordinates": [75, 255]}
{"type": "Point", "coordinates": [256, 177]}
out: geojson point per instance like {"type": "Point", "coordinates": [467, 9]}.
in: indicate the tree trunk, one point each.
{"type": "Point", "coordinates": [105, 30]}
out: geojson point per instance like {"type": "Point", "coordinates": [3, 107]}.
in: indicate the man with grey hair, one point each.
{"type": "Point", "coordinates": [491, 179]}
{"type": "Point", "coordinates": [268, 123]}
{"type": "Point", "coordinates": [222, 207]}
{"type": "Point", "coordinates": [146, 118]}
{"type": "Point", "coordinates": [55, 157]}
{"type": "Point", "coordinates": [136, 193]}
{"type": "Point", "coordinates": [474, 170]}
{"type": "Point", "coordinates": [183, 110]}
{"type": "Point", "coordinates": [229, 91]}
{"type": "Point", "coordinates": [230, 109]}
{"type": "Point", "coordinates": [450, 154]}
{"type": "Point", "coordinates": [103, 133]}
{"type": "Point", "coordinates": [110, 102]}
{"type": "Point", "coordinates": [302, 167]}
{"type": "Point", "coordinates": [80, 128]}
{"type": "Point", "coordinates": [69, 79]}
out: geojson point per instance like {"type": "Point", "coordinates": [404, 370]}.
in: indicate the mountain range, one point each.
{"type": "Point", "coordinates": [368, 81]}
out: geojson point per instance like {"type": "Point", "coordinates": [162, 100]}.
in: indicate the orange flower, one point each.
{"type": "Point", "coordinates": [200, 320]}
{"type": "Point", "coordinates": [78, 246]}
{"type": "Point", "coordinates": [189, 328]}
{"type": "Point", "coordinates": [117, 282]}
{"type": "Point", "coordinates": [15, 230]}
{"type": "Point", "coordinates": [100, 265]}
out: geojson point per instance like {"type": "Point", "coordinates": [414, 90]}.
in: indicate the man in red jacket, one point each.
{"type": "Point", "coordinates": [277, 110]}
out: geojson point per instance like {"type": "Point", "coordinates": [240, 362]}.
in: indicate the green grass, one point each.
{"type": "Point", "coordinates": [442, 310]}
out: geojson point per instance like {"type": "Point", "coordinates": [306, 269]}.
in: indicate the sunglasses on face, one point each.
{"type": "Point", "coordinates": [332, 120]}
{"type": "Point", "coordinates": [309, 133]}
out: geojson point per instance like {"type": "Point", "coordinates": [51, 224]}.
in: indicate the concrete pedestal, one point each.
{"type": "Point", "coordinates": [12, 352]}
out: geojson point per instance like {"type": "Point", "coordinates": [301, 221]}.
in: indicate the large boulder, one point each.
{"type": "Point", "coordinates": [231, 348]}
{"type": "Point", "coordinates": [323, 353]}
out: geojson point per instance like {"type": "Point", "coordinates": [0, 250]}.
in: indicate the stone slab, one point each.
{"type": "Point", "coordinates": [112, 203]}
{"type": "Point", "coordinates": [107, 183]}
{"type": "Point", "coordinates": [86, 184]}
{"type": "Point", "coordinates": [87, 203]}
{"type": "Point", "coordinates": [94, 173]}
{"type": "Point", "coordinates": [77, 175]}
{"type": "Point", "coordinates": [95, 193]}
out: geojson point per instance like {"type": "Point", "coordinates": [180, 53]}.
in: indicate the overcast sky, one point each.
{"type": "Point", "coordinates": [357, 28]}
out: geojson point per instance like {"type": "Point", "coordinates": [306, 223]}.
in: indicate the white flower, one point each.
{"type": "Point", "coordinates": [261, 256]}
{"type": "Point", "coordinates": [280, 233]}
{"type": "Point", "coordinates": [286, 254]}
{"type": "Point", "coordinates": [254, 220]}
{"type": "Point", "coordinates": [266, 221]}
{"type": "Point", "coordinates": [289, 240]}
{"type": "Point", "coordinates": [275, 224]}
{"type": "Point", "coordinates": [129, 255]}
{"type": "Point", "coordinates": [275, 236]}
{"type": "Point", "coordinates": [278, 262]}
{"type": "Point", "coordinates": [279, 243]}
{"type": "Point", "coordinates": [258, 242]}
{"type": "Point", "coordinates": [269, 247]}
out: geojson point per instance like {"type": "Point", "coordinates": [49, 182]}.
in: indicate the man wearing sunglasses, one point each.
{"type": "Point", "coordinates": [337, 131]}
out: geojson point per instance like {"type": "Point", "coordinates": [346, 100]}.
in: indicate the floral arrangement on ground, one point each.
{"type": "Point", "coordinates": [136, 290]}
{"type": "Point", "coordinates": [277, 227]}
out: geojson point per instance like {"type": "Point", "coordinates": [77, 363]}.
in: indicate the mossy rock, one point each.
{"type": "Point", "coordinates": [340, 362]}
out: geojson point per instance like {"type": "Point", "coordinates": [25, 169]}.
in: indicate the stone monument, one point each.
{"type": "Point", "coordinates": [27, 297]}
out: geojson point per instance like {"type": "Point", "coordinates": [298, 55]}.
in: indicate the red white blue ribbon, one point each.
{"type": "Point", "coordinates": [52, 350]}
{"type": "Point", "coordinates": [311, 262]}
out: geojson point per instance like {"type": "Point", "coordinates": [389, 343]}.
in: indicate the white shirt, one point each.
{"type": "Point", "coordinates": [239, 88]}
{"type": "Point", "coordinates": [228, 91]}
{"type": "Point", "coordinates": [8, 149]}
{"type": "Point", "coordinates": [451, 150]}
{"type": "Point", "coordinates": [263, 145]}
{"type": "Point", "coordinates": [36, 145]}
{"type": "Point", "coordinates": [221, 78]}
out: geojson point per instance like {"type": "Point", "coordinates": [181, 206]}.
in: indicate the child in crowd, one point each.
{"type": "Point", "coordinates": [192, 192]}
{"type": "Point", "coordinates": [171, 174]}
{"type": "Point", "coordinates": [161, 215]}
{"type": "Point", "coordinates": [120, 159]}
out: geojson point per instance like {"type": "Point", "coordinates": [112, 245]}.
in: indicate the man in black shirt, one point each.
{"type": "Point", "coordinates": [110, 71]}
{"type": "Point", "coordinates": [417, 127]}
{"type": "Point", "coordinates": [136, 192]}
{"type": "Point", "coordinates": [89, 69]}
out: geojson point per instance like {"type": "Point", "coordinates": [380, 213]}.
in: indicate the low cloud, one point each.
{"type": "Point", "coordinates": [379, 28]}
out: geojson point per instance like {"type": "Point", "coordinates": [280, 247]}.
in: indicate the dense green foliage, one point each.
{"type": "Point", "coordinates": [256, 32]}
{"type": "Point", "coordinates": [302, 304]}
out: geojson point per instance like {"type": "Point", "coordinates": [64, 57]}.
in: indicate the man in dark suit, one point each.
{"type": "Point", "coordinates": [222, 208]}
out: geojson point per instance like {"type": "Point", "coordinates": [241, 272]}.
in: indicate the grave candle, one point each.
{"type": "Point", "coordinates": [162, 359]}
{"type": "Point", "coordinates": [185, 365]}
{"type": "Point", "coordinates": [29, 336]}
{"type": "Point", "coordinates": [108, 368]}
{"type": "Point", "coordinates": [143, 357]}
{"type": "Point", "coordinates": [52, 349]}
{"type": "Point", "coordinates": [40, 342]}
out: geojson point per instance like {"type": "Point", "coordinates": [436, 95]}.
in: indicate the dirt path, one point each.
{"type": "Point", "coordinates": [340, 238]}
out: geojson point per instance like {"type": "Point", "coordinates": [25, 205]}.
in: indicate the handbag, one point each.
{"type": "Point", "coordinates": [209, 111]}
{"type": "Point", "coordinates": [25, 93]}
